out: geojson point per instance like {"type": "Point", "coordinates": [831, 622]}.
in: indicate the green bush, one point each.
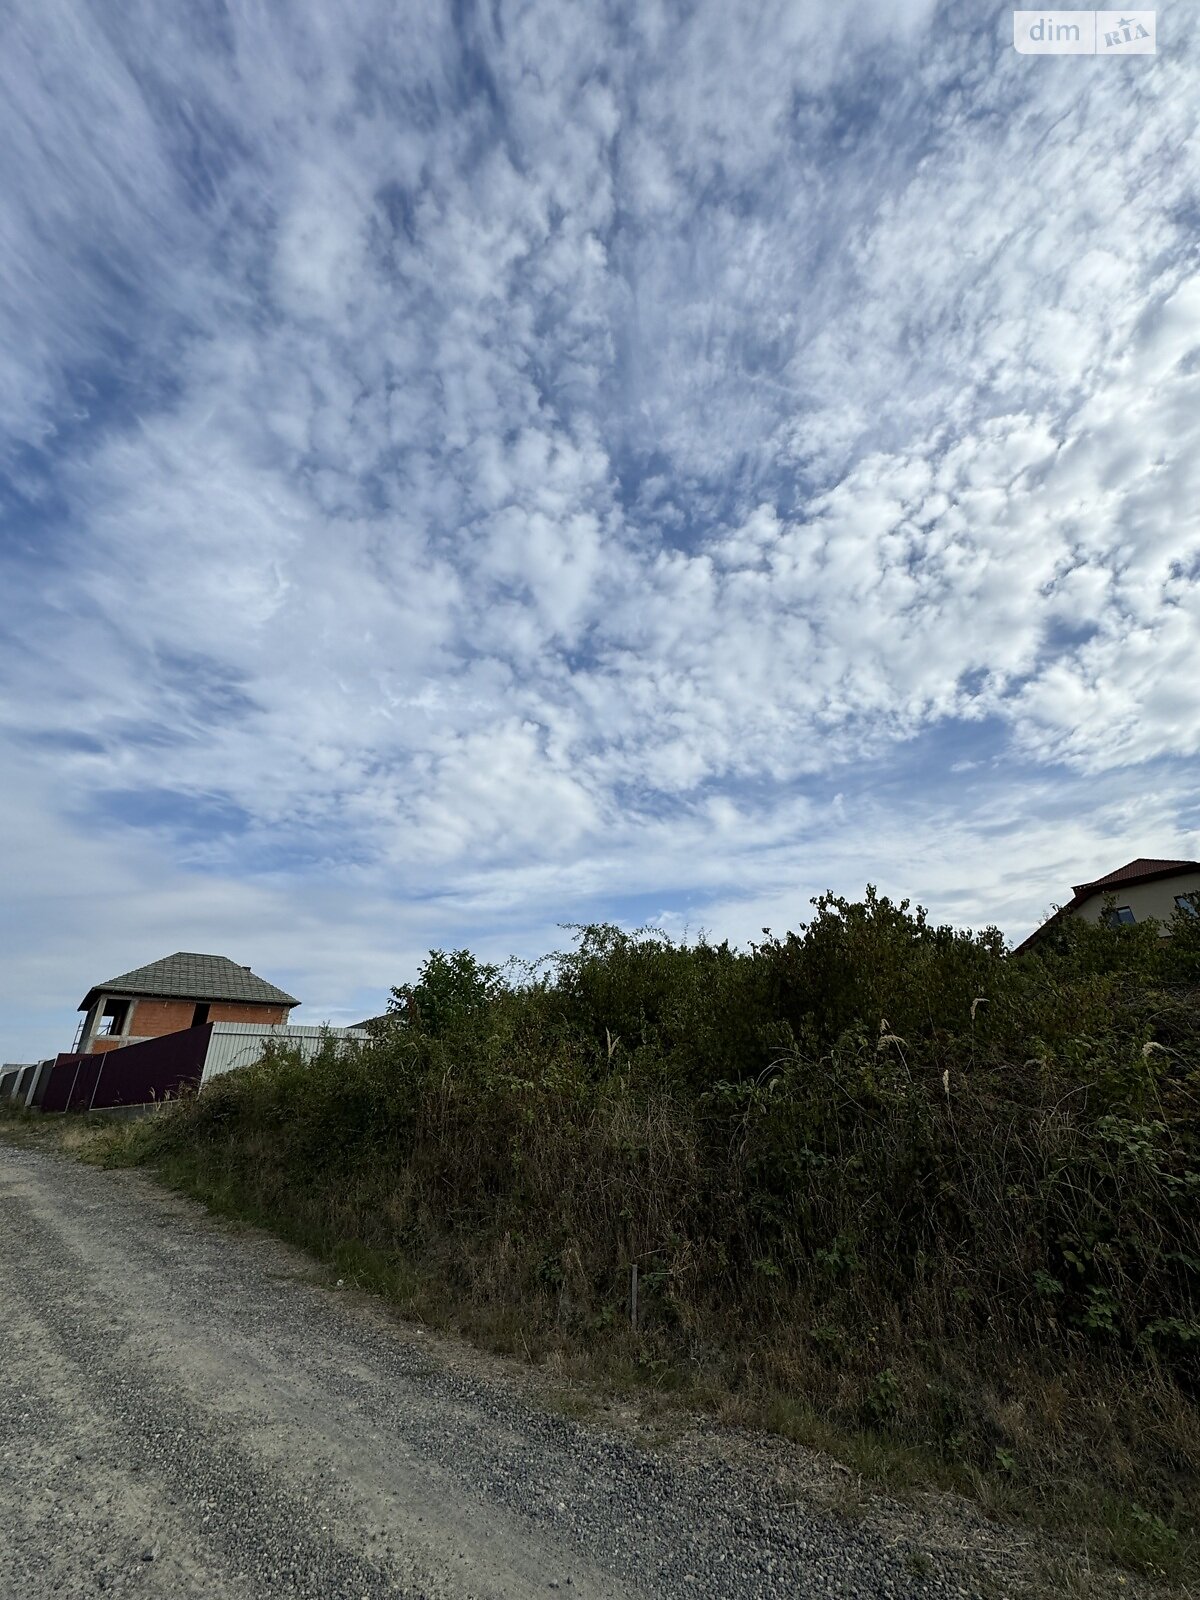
{"type": "Point", "coordinates": [871, 1105]}
{"type": "Point", "coordinates": [862, 1160]}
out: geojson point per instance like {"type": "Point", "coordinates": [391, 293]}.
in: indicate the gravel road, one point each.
{"type": "Point", "coordinates": [185, 1412]}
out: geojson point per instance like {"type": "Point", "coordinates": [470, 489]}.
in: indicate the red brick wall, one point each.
{"type": "Point", "coordinates": [152, 1018]}
{"type": "Point", "coordinates": [240, 1011]}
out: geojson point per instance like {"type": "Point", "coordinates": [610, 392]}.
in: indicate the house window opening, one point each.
{"type": "Point", "coordinates": [200, 1015]}
{"type": "Point", "coordinates": [1120, 916]}
{"type": "Point", "coordinates": [114, 1018]}
{"type": "Point", "coordinates": [1189, 904]}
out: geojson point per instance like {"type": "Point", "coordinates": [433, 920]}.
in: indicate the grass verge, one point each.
{"type": "Point", "coordinates": [1102, 1528]}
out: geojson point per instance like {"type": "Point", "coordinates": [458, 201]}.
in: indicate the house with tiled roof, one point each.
{"type": "Point", "coordinates": [181, 991]}
{"type": "Point", "coordinates": [1149, 887]}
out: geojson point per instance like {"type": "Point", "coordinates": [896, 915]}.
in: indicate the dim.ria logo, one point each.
{"type": "Point", "coordinates": [1084, 33]}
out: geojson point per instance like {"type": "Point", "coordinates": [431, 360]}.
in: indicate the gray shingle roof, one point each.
{"type": "Point", "coordinates": [186, 976]}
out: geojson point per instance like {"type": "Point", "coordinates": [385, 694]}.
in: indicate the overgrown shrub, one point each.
{"type": "Point", "coordinates": [856, 1160]}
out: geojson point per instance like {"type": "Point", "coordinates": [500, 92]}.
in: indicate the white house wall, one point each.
{"type": "Point", "coordinates": [1145, 900]}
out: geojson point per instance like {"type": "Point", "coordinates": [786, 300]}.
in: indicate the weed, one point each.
{"type": "Point", "coordinates": [918, 1564]}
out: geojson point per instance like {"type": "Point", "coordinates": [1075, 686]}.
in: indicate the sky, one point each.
{"type": "Point", "coordinates": [468, 469]}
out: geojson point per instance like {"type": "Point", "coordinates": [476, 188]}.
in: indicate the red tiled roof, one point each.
{"type": "Point", "coordinates": [1134, 871]}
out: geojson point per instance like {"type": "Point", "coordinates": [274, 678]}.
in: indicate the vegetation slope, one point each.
{"type": "Point", "coordinates": [888, 1189]}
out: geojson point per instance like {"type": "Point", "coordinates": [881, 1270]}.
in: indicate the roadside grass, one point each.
{"type": "Point", "coordinates": [1101, 1530]}
{"type": "Point", "coordinates": [1082, 1479]}
{"type": "Point", "coordinates": [77, 1134]}
{"type": "Point", "coordinates": [891, 1194]}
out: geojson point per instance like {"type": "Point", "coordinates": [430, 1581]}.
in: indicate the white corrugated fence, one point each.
{"type": "Point", "coordinates": [240, 1044]}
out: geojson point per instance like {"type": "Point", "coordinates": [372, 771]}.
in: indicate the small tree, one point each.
{"type": "Point", "coordinates": [453, 987]}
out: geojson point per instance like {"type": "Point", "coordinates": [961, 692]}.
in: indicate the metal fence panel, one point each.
{"type": "Point", "coordinates": [61, 1081]}
{"type": "Point", "coordinates": [241, 1044]}
{"type": "Point", "coordinates": [155, 1070]}
{"type": "Point", "coordinates": [41, 1078]}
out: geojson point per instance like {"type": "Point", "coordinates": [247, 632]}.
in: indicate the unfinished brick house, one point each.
{"type": "Point", "coordinates": [180, 991]}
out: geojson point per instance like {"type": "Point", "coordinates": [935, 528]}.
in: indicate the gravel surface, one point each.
{"type": "Point", "coordinates": [185, 1412]}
